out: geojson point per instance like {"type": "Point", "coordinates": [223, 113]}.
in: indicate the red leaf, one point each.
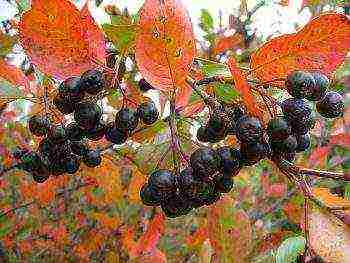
{"type": "Point", "coordinates": [59, 39]}
{"type": "Point", "coordinates": [342, 139]}
{"type": "Point", "coordinates": [226, 43]}
{"type": "Point", "coordinates": [277, 190]}
{"type": "Point", "coordinates": [183, 95]}
{"type": "Point", "coordinates": [319, 156]}
{"type": "Point", "coordinates": [165, 46]}
{"type": "Point", "coordinates": [13, 75]}
{"type": "Point", "coordinates": [321, 45]}
{"type": "Point", "coordinates": [193, 108]}
{"type": "Point", "coordinates": [242, 86]}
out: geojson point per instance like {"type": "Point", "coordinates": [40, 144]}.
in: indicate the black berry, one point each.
{"type": "Point", "coordinates": [320, 88]}
{"type": "Point", "coordinates": [149, 196]}
{"type": "Point", "coordinates": [303, 142]}
{"type": "Point", "coordinates": [285, 146]}
{"type": "Point", "coordinates": [144, 85]}
{"type": "Point", "coordinates": [304, 126]}
{"type": "Point", "coordinates": [39, 125]}
{"type": "Point", "coordinates": [148, 112]}
{"type": "Point", "coordinates": [74, 132]}
{"type": "Point", "coordinates": [230, 160]}
{"type": "Point", "coordinates": [72, 88]}
{"type": "Point", "coordinates": [202, 134]}
{"type": "Point", "coordinates": [295, 110]}
{"type": "Point", "coordinates": [299, 84]}
{"type": "Point", "coordinates": [249, 130]}
{"type": "Point", "coordinates": [79, 148]}
{"type": "Point", "coordinates": [204, 162]}
{"type": "Point", "coordinates": [217, 122]}
{"type": "Point", "coordinates": [92, 81]}
{"type": "Point", "coordinates": [186, 182]}
{"type": "Point", "coordinates": [57, 134]}
{"type": "Point", "coordinates": [278, 129]}
{"type": "Point", "coordinates": [87, 115]}
{"type": "Point", "coordinates": [175, 206]}
{"type": "Point", "coordinates": [40, 177]}
{"type": "Point", "coordinates": [72, 163]}
{"type": "Point", "coordinates": [115, 135]}
{"type": "Point", "coordinates": [96, 133]}
{"type": "Point", "coordinates": [126, 119]}
{"type": "Point", "coordinates": [252, 153]}
{"type": "Point", "coordinates": [331, 106]}
{"type": "Point", "coordinates": [163, 181]}
{"type": "Point", "coordinates": [64, 105]}
{"type": "Point", "coordinates": [223, 184]}
{"type": "Point", "coordinates": [92, 158]}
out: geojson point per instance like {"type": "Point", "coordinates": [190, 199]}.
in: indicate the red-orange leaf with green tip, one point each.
{"type": "Point", "coordinates": [59, 39]}
{"type": "Point", "coordinates": [165, 45]}
{"type": "Point", "coordinates": [242, 86]}
{"type": "Point", "coordinates": [321, 45]}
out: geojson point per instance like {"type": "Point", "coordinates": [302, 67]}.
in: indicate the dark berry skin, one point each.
{"type": "Point", "coordinates": [202, 134]}
{"type": "Point", "coordinates": [64, 105]}
{"type": "Point", "coordinates": [39, 125]}
{"type": "Point", "coordinates": [234, 112]}
{"type": "Point", "coordinates": [92, 81]}
{"type": "Point", "coordinates": [230, 160]}
{"type": "Point", "coordinates": [252, 153]}
{"type": "Point", "coordinates": [186, 182]}
{"type": "Point", "coordinates": [79, 148]}
{"type": "Point", "coordinates": [217, 122]}
{"type": "Point", "coordinates": [87, 115]}
{"type": "Point", "coordinates": [295, 110]}
{"type": "Point", "coordinates": [40, 177]}
{"type": "Point", "coordinates": [223, 184]}
{"type": "Point", "coordinates": [72, 163]}
{"type": "Point", "coordinates": [74, 132]}
{"type": "Point", "coordinates": [204, 162]}
{"type": "Point", "coordinates": [175, 206]}
{"type": "Point", "coordinates": [148, 112]}
{"type": "Point", "coordinates": [331, 106]}
{"type": "Point", "coordinates": [72, 88]}
{"type": "Point", "coordinates": [163, 181]}
{"type": "Point", "coordinates": [144, 85]}
{"type": "Point", "coordinates": [303, 127]}
{"type": "Point", "coordinates": [213, 136]}
{"type": "Point", "coordinates": [92, 159]}
{"type": "Point", "coordinates": [31, 162]}
{"type": "Point", "coordinates": [303, 142]}
{"type": "Point", "coordinates": [19, 152]}
{"type": "Point", "coordinates": [115, 135]}
{"type": "Point", "coordinates": [278, 129]}
{"type": "Point", "coordinates": [320, 88]}
{"type": "Point", "coordinates": [299, 84]}
{"type": "Point", "coordinates": [206, 194]}
{"type": "Point", "coordinates": [127, 119]}
{"type": "Point", "coordinates": [249, 130]}
{"type": "Point", "coordinates": [149, 196]}
{"type": "Point", "coordinates": [57, 134]}
{"type": "Point", "coordinates": [97, 132]}
{"type": "Point", "coordinates": [286, 146]}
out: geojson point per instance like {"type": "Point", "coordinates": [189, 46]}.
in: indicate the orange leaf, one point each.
{"type": "Point", "coordinates": [329, 199]}
{"type": "Point", "coordinates": [321, 45]}
{"type": "Point", "coordinates": [13, 75]}
{"type": "Point", "coordinates": [342, 139]}
{"type": "Point", "coordinates": [193, 108]}
{"type": "Point", "coordinates": [183, 95]}
{"type": "Point", "coordinates": [230, 231]}
{"type": "Point", "coordinates": [138, 179]}
{"type": "Point", "coordinates": [59, 39]}
{"type": "Point", "coordinates": [242, 86]}
{"type": "Point", "coordinates": [165, 46]}
{"type": "Point", "coordinates": [319, 156]}
{"type": "Point", "coordinates": [225, 43]}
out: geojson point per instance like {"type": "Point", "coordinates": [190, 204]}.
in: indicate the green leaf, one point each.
{"type": "Point", "coordinates": [206, 21]}
{"type": "Point", "coordinates": [214, 69]}
{"type": "Point", "coordinates": [122, 36]}
{"type": "Point", "coordinates": [225, 92]}
{"type": "Point", "coordinates": [289, 250]}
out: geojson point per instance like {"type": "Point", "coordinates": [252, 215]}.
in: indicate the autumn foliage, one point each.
{"type": "Point", "coordinates": [96, 214]}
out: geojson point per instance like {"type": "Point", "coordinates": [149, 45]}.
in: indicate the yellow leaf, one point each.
{"type": "Point", "coordinates": [330, 199]}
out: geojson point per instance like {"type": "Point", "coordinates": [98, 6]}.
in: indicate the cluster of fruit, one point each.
{"type": "Point", "coordinates": [211, 171]}
{"type": "Point", "coordinates": [64, 147]}
{"type": "Point", "coordinates": [209, 174]}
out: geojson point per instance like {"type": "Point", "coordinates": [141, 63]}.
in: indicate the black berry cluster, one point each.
{"type": "Point", "coordinates": [210, 173]}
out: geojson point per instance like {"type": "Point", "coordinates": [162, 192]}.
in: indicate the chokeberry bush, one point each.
{"type": "Point", "coordinates": [136, 141]}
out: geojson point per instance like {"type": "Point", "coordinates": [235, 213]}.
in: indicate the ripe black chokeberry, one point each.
{"type": "Point", "coordinates": [71, 163]}
{"type": "Point", "coordinates": [148, 112]}
{"type": "Point", "coordinates": [175, 206]}
{"type": "Point", "coordinates": [304, 126]}
{"type": "Point", "coordinates": [74, 132]}
{"type": "Point", "coordinates": [40, 177]}
{"type": "Point", "coordinates": [299, 84]}
{"type": "Point", "coordinates": [19, 152]}
{"type": "Point", "coordinates": [278, 129]}
{"type": "Point", "coordinates": [144, 85]}
{"type": "Point", "coordinates": [71, 88]}
{"type": "Point", "coordinates": [320, 88]}
{"type": "Point", "coordinates": [331, 106]}
{"type": "Point", "coordinates": [92, 158]}
{"type": "Point", "coordinates": [249, 130]}
{"type": "Point", "coordinates": [252, 153]}
{"type": "Point", "coordinates": [39, 125]}
{"type": "Point", "coordinates": [217, 122]}
{"type": "Point", "coordinates": [92, 81]}
{"type": "Point", "coordinates": [79, 148]}
{"type": "Point", "coordinates": [87, 115]}
{"type": "Point", "coordinates": [230, 160]}
{"type": "Point", "coordinates": [115, 135]}
{"type": "Point", "coordinates": [163, 181]}
{"type": "Point", "coordinates": [31, 162]}
{"type": "Point", "coordinates": [57, 134]}
{"type": "Point", "coordinates": [63, 104]}
{"type": "Point", "coordinates": [214, 136]}
{"type": "Point", "coordinates": [295, 110]}
{"type": "Point", "coordinates": [126, 119]}
{"type": "Point", "coordinates": [204, 162]}
{"type": "Point", "coordinates": [285, 146]}
{"type": "Point", "coordinates": [150, 196]}
{"type": "Point", "coordinates": [223, 184]}
{"type": "Point", "coordinates": [303, 142]}
{"type": "Point", "coordinates": [96, 133]}
{"type": "Point", "coordinates": [202, 134]}
{"type": "Point", "coordinates": [186, 183]}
